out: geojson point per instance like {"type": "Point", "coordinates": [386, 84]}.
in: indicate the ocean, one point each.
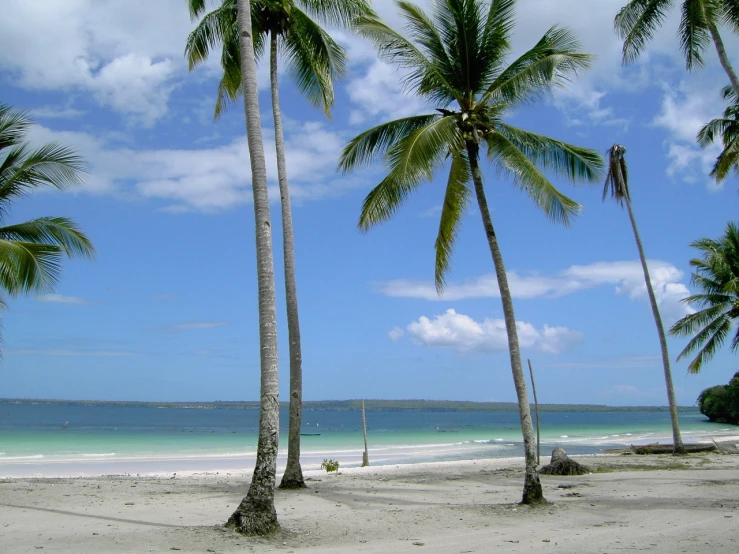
{"type": "Point", "coordinates": [69, 440]}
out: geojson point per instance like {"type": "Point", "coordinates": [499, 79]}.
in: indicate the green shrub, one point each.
{"type": "Point", "coordinates": [721, 403]}
{"type": "Point", "coordinates": [330, 465]}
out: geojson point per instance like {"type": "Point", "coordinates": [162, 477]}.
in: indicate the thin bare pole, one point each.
{"type": "Point", "coordinates": [365, 456]}
{"type": "Point", "coordinates": [536, 407]}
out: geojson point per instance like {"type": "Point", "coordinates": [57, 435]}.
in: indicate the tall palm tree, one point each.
{"type": "Point", "coordinates": [456, 59]}
{"type": "Point", "coordinates": [727, 129]}
{"type": "Point", "coordinates": [638, 20]}
{"type": "Point", "coordinates": [314, 59]}
{"type": "Point", "coordinates": [31, 253]}
{"type": "Point", "coordinates": [617, 184]}
{"type": "Point", "coordinates": [256, 513]}
{"type": "Point", "coordinates": [717, 275]}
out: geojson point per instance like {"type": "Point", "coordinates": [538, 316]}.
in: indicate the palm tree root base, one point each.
{"type": "Point", "coordinates": [532, 492]}
{"type": "Point", "coordinates": [292, 483]}
{"type": "Point", "coordinates": [252, 520]}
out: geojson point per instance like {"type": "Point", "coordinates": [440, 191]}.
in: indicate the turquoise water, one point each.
{"type": "Point", "coordinates": [63, 439]}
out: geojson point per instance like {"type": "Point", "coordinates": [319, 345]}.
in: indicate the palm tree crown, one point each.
{"type": "Point", "coordinates": [313, 58]}
{"type": "Point", "coordinates": [717, 275]}
{"type": "Point", "coordinates": [457, 60]}
{"type": "Point", "coordinates": [31, 253]}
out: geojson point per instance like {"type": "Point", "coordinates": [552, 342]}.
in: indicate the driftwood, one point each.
{"type": "Point", "coordinates": [561, 464]}
{"type": "Point", "coordinates": [669, 449]}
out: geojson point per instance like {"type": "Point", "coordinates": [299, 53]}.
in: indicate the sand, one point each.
{"type": "Point", "coordinates": [659, 504]}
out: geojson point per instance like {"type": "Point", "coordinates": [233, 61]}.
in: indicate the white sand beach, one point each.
{"type": "Point", "coordinates": [660, 504]}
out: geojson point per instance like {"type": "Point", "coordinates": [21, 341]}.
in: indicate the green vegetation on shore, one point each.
{"type": "Point", "coordinates": [356, 405]}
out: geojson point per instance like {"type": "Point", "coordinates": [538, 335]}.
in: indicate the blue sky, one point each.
{"type": "Point", "coordinates": [168, 309]}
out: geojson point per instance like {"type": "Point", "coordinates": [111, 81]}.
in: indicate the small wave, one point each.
{"type": "Point", "coordinates": [34, 457]}
{"type": "Point", "coordinates": [104, 455]}
{"type": "Point", "coordinates": [564, 436]}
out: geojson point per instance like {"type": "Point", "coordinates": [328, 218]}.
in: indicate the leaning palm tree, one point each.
{"type": "Point", "coordinates": [455, 59]}
{"type": "Point", "coordinates": [717, 275]}
{"type": "Point", "coordinates": [700, 20]}
{"type": "Point", "coordinates": [727, 129]}
{"type": "Point", "coordinates": [314, 59]}
{"type": "Point", "coordinates": [256, 513]}
{"type": "Point", "coordinates": [31, 253]}
{"type": "Point", "coordinates": [617, 184]}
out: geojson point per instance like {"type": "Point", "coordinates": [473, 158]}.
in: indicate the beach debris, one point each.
{"type": "Point", "coordinates": [657, 448]}
{"type": "Point", "coordinates": [418, 543]}
{"type": "Point", "coordinates": [561, 464]}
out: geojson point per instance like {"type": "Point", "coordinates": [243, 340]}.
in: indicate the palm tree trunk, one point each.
{"type": "Point", "coordinates": [532, 493]}
{"type": "Point", "coordinates": [724, 58]}
{"type": "Point", "coordinates": [677, 439]}
{"type": "Point", "coordinates": [293, 476]}
{"type": "Point", "coordinates": [256, 513]}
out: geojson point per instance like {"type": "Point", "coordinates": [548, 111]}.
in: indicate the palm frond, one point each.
{"type": "Point", "coordinates": [29, 267]}
{"type": "Point", "coordinates": [555, 205]}
{"type": "Point", "coordinates": [706, 341]}
{"type": "Point", "coordinates": [375, 142]}
{"type": "Point", "coordinates": [550, 64]}
{"type": "Point", "coordinates": [730, 14]}
{"type": "Point", "coordinates": [314, 59]}
{"type": "Point", "coordinates": [52, 165]}
{"type": "Point", "coordinates": [410, 162]}
{"type": "Point", "coordinates": [336, 13]}
{"type": "Point", "coordinates": [617, 178]}
{"type": "Point", "coordinates": [14, 125]}
{"type": "Point", "coordinates": [573, 162]}
{"type": "Point", "coordinates": [212, 31]}
{"type": "Point", "coordinates": [456, 199]}
{"type": "Point", "coordinates": [421, 75]}
{"type": "Point", "coordinates": [496, 38]}
{"type": "Point", "coordinates": [57, 231]}
{"type": "Point", "coordinates": [636, 24]}
{"type": "Point", "coordinates": [693, 31]}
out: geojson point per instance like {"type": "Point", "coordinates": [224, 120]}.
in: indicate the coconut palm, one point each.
{"type": "Point", "coordinates": [455, 59]}
{"type": "Point", "coordinates": [700, 20]}
{"type": "Point", "coordinates": [314, 59]}
{"type": "Point", "coordinates": [256, 513]}
{"type": "Point", "coordinates": [717, 275]}
{"type": "Point", "coordinates": [727, 129]}
{"type": "Point", "coordinates": [31, 253]}
{"type": "Point", "coordinates": [617, 185]}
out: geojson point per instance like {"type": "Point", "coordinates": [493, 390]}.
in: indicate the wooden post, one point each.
{"type": "Point", "coordinates": [536, 407]}
{"type": "Point", "coordinates": [365, 456]}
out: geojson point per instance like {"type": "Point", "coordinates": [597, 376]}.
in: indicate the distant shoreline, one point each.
{"type": "Point", "coordinates": [355, 405]}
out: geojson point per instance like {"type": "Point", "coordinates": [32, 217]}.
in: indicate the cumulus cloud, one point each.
{"type": "Point", "coordinates": [683, 112]}
{"type": "Point", "coordinates": [625, 276]}
{"type": "Point", "coordinates": [195, 325]}
{"type": "Point", "coordinates": [127, 62]}
{"type": "Point", "coordinates": [461, 332]}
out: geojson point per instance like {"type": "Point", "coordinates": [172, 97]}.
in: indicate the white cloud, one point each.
{"type": "Point", "coordinates": [461, 332]}
{"type": "Point", "coordinates": [626, 277]}
{"type": "Point", "coordinates": [59, 299]}
{"type": "Point", "coordinates": [105, 47]}
{"type": "Point", "coordinates": [208, 179]}
{"type": "Point", "coordinates": [395, 334]}
{"type": "Point", "coordinates": [682, 114]}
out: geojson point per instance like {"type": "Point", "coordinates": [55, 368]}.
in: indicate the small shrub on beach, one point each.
{"type": "Point", "coordinates": [330, 465]}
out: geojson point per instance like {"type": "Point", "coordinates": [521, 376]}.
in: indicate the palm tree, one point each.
{"type": "Point", "coordinates": [727, 128]}
{"type": "Point", "coordinates": [256, 513]}
{"type": "Point", "coordinates": [617, 183]}
{"type": "Point", "coordinates": [314, 59]}
{"type": "Point", "coordinates": [31, 253]}
{"type": "Point", "coordinates": [638, 20]}
{"type": "Point", "coordinates": [455, 59]}
{"type": "Point", "coordinates": [717, 275]}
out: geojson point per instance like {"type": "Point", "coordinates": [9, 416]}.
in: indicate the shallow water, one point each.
{"type": "Point", "coordinates": [72, 440]}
